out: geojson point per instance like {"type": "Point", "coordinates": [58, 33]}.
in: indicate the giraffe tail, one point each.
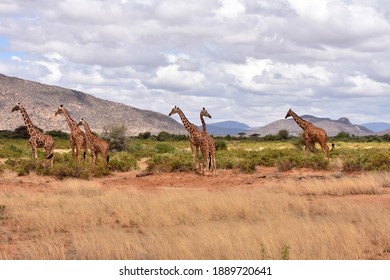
{"type": "Point", "coordinates": [50, 156]}
{"type": "Point", "coordinates": [84, 155]}
{"type": "Point", "coordinates": [108, 159]}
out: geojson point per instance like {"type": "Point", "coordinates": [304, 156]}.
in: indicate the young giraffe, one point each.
{"type": "Point", "coordinates": [311, 134]}
{"type": "Point", "coordinates": [37, 138]}
{"type": "Point", "coordinates": [96, 144]}
{"type": "Point", "coordinates": [77, 136]}
{"type": "Point", "coordinates": [195, 135]}
{"type": "Point", "coordinates": [207, 146]}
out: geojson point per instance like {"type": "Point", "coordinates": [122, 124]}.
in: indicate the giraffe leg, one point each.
{"type": "Point", "coordinates": [312, 147]}
{"type": "Point", "coordinates": [34, 153]}
{"type": "Point", "coordinates": [50, 155]}
{"type": "Point", "coordinates": [78, 153]}
{"type": "Point", "coordinates": [325, 150]}
{"type": "Point", "coordinates": [203, 166]}
{"type": "Point", "coordinates": [198, 167]}
{"type": "Point", "coordinates": [85, 149]}
{"type": "Point", "coordinates": [306, 147]}
{"type": "Point", "coordinates": [72, 146]}
{"type": "Point", "coordinates": [93, 154]}
{"type": "Point", "coordinates": [214, 164]}
{"type": "Point", "coordinates": [208, 162]}
{"type": "Point", "coordinates": [96, 156]}
{"type": "Point", "coordinates": [193, 156]}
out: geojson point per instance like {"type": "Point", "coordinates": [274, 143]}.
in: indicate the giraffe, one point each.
{"type": "Point", "coordinates": [37, 138]}
{"type": "Point", "coordinates": [311, 134]}
{"type": "Point", "coordinates": [96, 144]}
{"type": "Point", "coordinates": [195, 135]}
{"type": "Point", "coordinates": [77, 136]}
{"type": "Point", "coordinates": [207, 146]}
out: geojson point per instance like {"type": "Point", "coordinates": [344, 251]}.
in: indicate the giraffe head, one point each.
{"type": "Point", "coordinates": [17, 107]}
{"type": "Point", "coordinates": [81, 122]}
{"type": "Point", "coordinates": [204, 113]}
{"type": "Point", "coordinates": [174, 110]}
{"type": "Point", "coordinates": [60, 110]}
{"type": "Point", "coordinates": [289, 113]}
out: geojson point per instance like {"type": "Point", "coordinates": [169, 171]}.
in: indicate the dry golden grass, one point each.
{"type": "Point", "coordinates": [295, 219]}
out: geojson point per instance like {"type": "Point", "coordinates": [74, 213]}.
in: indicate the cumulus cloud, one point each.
{"type": "Point", "coordinates": [257, 58]}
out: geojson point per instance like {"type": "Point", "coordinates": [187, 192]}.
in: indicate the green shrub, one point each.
{"type": "Point", "coordinates": [10, 151]}
{"type": "Point", "coordinates": [116, 137]}
{"type": "Point", "coordinates": [170, 162]}
{"type": "Point", "coordinates": [164, 136]}
{"type": "Point", "coordinates": [247, 165]}
{"type": "Point", "coordinates": [22, 167]}
{"type": "Point", "coordinates": [367, 160]}
{"type": "Point", "coordinates": [220, 145]}
{"type": "Point", "coordinates": [123, 162]}
{"type": "Point", "coordinates": [162, 148]}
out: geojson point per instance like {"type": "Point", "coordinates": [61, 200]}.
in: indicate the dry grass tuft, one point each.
{"type": "Point", "coordinates": [295, 219]}
{"type": "Point", "coordinates": [373, 183]}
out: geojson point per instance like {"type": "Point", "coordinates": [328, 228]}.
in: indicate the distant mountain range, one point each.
{"type": "Point", "coordinates": [227, 128]}
{"type": "Point", "coordinates": [332, 127]}
{"type": "Point", "coordinates": [377, 126]}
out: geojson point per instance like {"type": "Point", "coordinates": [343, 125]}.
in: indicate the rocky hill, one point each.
{"type": "Point", "coordinates": [227, 128]}
{"type": "Point", "coordinates": [41, 101]}
{"type": "Point", "coordinates": [332, 127]}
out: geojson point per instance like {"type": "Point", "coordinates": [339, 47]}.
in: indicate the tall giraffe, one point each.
{"type": "Point", "coordinates": [77, 136]}
{"type": "Point", "coordinates": [96, 144]}
{"type": "Point", "coordinates": [311, 134]}
{"type": "Point", "coordinates": [207, 146]}
{"type": "Point", "coordinates": [195, 135]}
{"type": "Point", "coordinates": [37, 138]}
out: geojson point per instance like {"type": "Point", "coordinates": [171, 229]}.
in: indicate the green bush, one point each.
{"type": "Point", "coordinates": [247, 165]}
{"type": "Point", "coordinates": [116, 137]}
{"type": "Point", "coordinates": [162, 148]}
{"type": "Point", "coordinates": [10, 151]}
{"type": "Point", "coordinates": [164, 136]}
{"type": "Point", "coordinates": [123, 162]}
{"type": "Point", "coordinates": [220, 145]}
{"type": "Point", "coordinates": [170, 162]}
{"type": "Point", "coordinates": [367, 160]}
{"type": "Point", "coordinates": [22, 167]}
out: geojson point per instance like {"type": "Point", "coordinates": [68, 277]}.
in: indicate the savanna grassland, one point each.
{"type": "Point", "coordinates": [268, 201]}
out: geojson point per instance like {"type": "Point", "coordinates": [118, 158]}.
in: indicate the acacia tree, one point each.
{"type": "Point", "coordinates": [283, 134]}
{"type": "Point", "coordinates": [116, 137]}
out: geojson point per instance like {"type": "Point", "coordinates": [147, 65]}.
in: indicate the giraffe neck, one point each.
{"type": "Point", "coordinates": [30, 126]}
{"type": "Point", "coordinates": [88, 131]}
{"type": "Point", "coordinates": [72, 124]}
{"type": "Point", "coordinates": [185, 121]}
{"type": "Point", "coordinates": [203, 124]}
{"type": "Point", "coordinates": [301, 122]}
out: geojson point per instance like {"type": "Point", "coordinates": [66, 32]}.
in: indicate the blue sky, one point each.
{"type": "Point", "coordinates": [243, 60]}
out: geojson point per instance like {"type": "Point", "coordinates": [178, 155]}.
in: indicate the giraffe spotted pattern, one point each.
{"type": "Point", "coordinates": [96, 144]}
{"type": "Point", "coordinates": [37, 138]}
{"type": "Point", "coordinates": [77, 136]}
{"type": "Point", "coordinates": [311, 134]}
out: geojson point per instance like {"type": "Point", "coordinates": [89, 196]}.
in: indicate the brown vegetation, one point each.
{"type": "Point", "coordinates": [299, 214]}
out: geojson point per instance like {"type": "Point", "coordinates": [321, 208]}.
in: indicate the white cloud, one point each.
{"type": "Point", "coordinates": [16, 58]}
{"type": "Point", "coordinates": [269, 77]}
{"type": "Point", "coordinates": [230, 9]}
{"type": "Point", "coordinates": [171, 77]}
{"type": "Point", "coordinates": [252, 57]}
{"type": "Point", "coordinates": [361, 85]}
